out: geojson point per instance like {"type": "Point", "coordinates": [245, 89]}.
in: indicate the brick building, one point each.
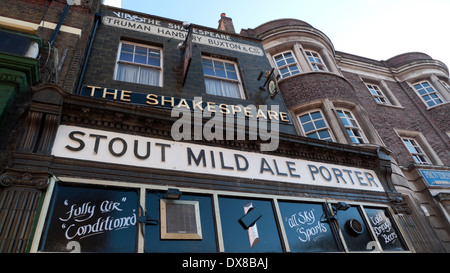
{"type": "Point", "coordinates": [145, 134]}
{"type": "Point", "coordinates": [400, 104]}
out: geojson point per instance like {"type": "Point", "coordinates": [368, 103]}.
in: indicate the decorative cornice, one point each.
{"type": "Point", "coordinates": [27, 178]}
{"type": "Point", "coordinates": [80, 111]}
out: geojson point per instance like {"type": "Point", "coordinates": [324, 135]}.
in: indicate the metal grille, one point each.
{"type": "Point", "coordinates": [17, 211]}
{"type": "Point", "coordinates": [181, 218]}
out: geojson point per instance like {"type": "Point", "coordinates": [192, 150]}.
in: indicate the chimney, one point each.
{"type": "Point", "coordinates": [226, 23]}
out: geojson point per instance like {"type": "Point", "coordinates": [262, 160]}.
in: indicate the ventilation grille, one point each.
{"type": "Point", "coordinates": [181, 218]}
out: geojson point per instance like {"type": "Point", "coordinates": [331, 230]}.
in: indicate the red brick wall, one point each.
{"type": "Point", "coordinates": [310, 86]}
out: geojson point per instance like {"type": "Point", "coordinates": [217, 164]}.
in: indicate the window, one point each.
{"type": "Point", "coordinates": [418, 147]}
{"type": "Point", "coordinates": [222, 78]}
{"type": "Point", "coordinates": [97, 219]}
{"type": "Point", "coordinates": [315, 126]}
{"type": "Point", "coordinates": [354, 229]}
{"type": "Point", "coordinates": [306, 227]}
{"type": "Point", "coordinates": [188, 223]}
{"type": "Point", "coordinates": [286, 63]}
{"type": "Point", "coordinates": [377, 94]}
{"type": "Point", "coordinates": [380, 91]}
{"type": "Point", "coordinates": [139, 64]}
{"type": "Point", "coordinates": [106, 219]}
{"type": "Point", "coordinates": [351, 125]}
{"type": "Point", "coordinates": [416, 151]}
{"type": "Point", "coordinates": [428, 93]}
{"type": "Point", "coordinates": [316, 61]}
{"type": "Point", "coordinates": [260, 236]}
{"type": "Point", "coordinates": [385, 229]}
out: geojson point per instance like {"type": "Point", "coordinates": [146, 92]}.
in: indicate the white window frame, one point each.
{"type": "Point", "coordinates": [438, 95]}
{"type": "Point", "coordinates": [296, 64]}
{"type": "Point", "coordinates": [419, 154]}
{"type": "Point", "coordinates": [384, 89]}
{"type": "Point", "coordinates": [316, 130]}
{"type": "Point", "coordinates": [354, 129]}
{"type": "Point", "coordinates": [317, 63]}
{"type": "Point", "coordinates": [422, 142]}
{"type": "Point", "coordinates": [221, 79]}
{"type": "Point", "coordinates": [378, 94]}
{"type": "Point", "coordinates": [160, 67]}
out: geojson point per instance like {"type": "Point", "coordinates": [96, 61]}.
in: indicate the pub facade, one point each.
{"type": "Point", "coordinates": [184, 138]}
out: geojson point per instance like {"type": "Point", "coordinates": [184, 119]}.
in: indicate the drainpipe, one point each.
{"type": "Point", "coordinates": [98, 18]}
{"type": "Point", "coordinates": [58, 26]}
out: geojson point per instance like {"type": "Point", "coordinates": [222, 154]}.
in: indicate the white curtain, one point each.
{"type": "Point", "coordinates": [149, 76]}
{"type": "Point", "coordinates": [222, 88]}
{"type": "Point", "coordinates": [130, 73]}
{"type": "Point", "coordinates": [127, 73]}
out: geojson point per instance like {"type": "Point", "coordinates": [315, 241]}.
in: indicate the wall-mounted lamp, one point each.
{"type": "Point", "coordinates": [173, 193]}
{"type": "Point", "coordinates": [186, 25]}
{"type": "Point", "coordinates": [340, 206]}
{"type": "Point", "coordinates": [182, 45]}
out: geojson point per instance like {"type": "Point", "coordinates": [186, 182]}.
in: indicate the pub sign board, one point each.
{"type": "Point", "coordinates": [85, 219]}
{"type": "Point", "coordinates": [133, 150]}
{"type": "Point", "coordinates": [437, 178]}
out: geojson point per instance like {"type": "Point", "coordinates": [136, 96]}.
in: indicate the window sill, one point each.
{"type": "Point", "coordinates": [311, 72]}
{"type": "Point", "coordinates": [136, 85]}
{"type": "Point", "coordinates": [432, 107]}
{"type": "Point", "coordinates": [391, 106]}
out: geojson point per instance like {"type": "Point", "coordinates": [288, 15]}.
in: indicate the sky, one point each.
{"type": "Point", "coordinates": [375, 29]}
